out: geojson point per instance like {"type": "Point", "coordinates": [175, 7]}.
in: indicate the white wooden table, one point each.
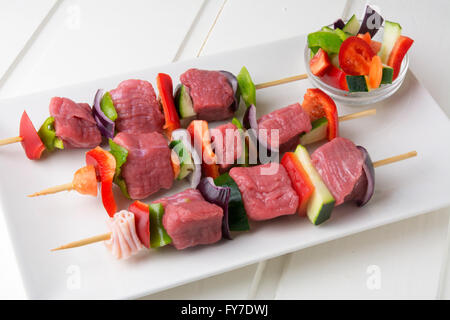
{"type": "Point", "coordinates": [50, 43]}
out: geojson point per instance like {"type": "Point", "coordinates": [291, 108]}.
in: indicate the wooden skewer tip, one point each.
{"type": "Point", "coordinates": [4, 142]}
{"type": "Point", "coordinates": [64, 187]}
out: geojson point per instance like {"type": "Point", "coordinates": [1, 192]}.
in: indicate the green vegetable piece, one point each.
{"type": "Point", "coordinates": [328, 41]}
{"type": "Point", "coordinates": [357, 83]}
{"type": "Point", "coordinates": [318, 132]}
{"type": "Point", "coordinates": [48, 135]}
{"type": "Point", "coordinates": [352, 26]}
{"type": "Point", "coordinates": [237, 216]}
{"type": "Point", "coordinates": [388, 75]}
{"type": "Point", "coordinates": [246, 87]}
{"type": "Point", "coordinates": [158, 235]}
{"type": "Point", "coordinates": [186, 163]}
{"type": "Point", "coordinates": [121, 155]}
{"type": "Point", "coordinates": [244, 159]}
{"type": "Point", "coordinates": [107, 106]}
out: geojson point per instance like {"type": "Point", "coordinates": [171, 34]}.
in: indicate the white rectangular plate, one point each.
{"type": "Point", "coordinates": [411, 120]}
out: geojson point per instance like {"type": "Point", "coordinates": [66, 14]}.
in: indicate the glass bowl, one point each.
{"type": "Point", "coordinates": [358, 98]}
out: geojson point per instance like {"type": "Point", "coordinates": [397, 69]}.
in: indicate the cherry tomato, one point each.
{"type": "Point", "coordinates": [355, 56]}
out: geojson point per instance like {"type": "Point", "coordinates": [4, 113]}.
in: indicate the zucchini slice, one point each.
{"type": "Point", "coordinates": [352, 26]}
{"type": "Point", "coordinates": [317, 133]}
{"type": "Point", "coordinates": [322, 202]}
{"type": "Point", "coordinates": [186, 163]}
{"type": "Point", "coordinates": [357, 83]}
{"type": "Point", "coordinates": [184, 103]}
{"type": "Point", "coordinates": [388, 75]}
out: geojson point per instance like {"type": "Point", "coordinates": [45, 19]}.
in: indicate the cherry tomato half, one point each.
{"type": "Point", "coordinates": [355, 56]}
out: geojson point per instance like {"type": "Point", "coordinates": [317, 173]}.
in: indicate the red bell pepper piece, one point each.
{"type": "Point", "coordinates": [320, 63]}
{"type": "Point", "coordinates": [399, 51]}
{"type": "Point", "coordinates": [85, 181]}
{"type": "Point", "coordinates": [105, 167]}
{"type": "Point", "coordinates": [201, 139]}
{"type": "Point", "coordinates": [355, 56]}
{"type": "Point", "coordinates": [335, 77]}
{"type": "Point", "coordinates": [318, 105]}
{"type": "Point", "coordinates": [141, 213]}
{"type": "Point", "coordinates": [300, 180]}
{"type": "Point", "coordinates": [31, 142]}
{"type": "Point", "coordinates": [165, 88]}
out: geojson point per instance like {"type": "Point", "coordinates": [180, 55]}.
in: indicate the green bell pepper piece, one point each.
{"type": "Point", "coordinates": [246, 87]}
{"type": "Point", "coordinates": [48, 135]}
{"type": "Point", "coordinates": [237, 216]}
{"type": "Point", "coordinates": [158, 235]}
{"type": "Point", "coordinates": [120, 154]}
{"type": "Point", "coordinates": [107, 106]}
{"type": "Point", "coordinates": [244, 157]}
{"type": "Point", "coordinates": [328, 41]}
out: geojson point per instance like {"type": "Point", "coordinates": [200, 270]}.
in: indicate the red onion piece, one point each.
{"type": "Point", "coordinates": [219, 196]}
{"type": "Point", "coordinates": [104, 124]}
{"type": "Point", "coordinates": [369, 171]}
{"type": "Point", "coordinates": [232, 80]}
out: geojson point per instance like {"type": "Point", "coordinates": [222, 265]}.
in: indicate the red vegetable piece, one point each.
{"type": "Point", "coordinates": [105, 167]}
{"type": "Point", "coordinates": [399, 51]}
{"type": "Point", "coordinates": [300, 180]}
{"type": "Point", "coordinates": [320, 63]}
{"type": "Point", "coordinates": [376, 72]}
{"type": "Point", "coordinates": [31, 142]}
{"type": "Point", "coordinates": [141, 213]}
{"type": "Point", "coordinates": [165, 88]}
{"type": "Point", "coordinates": [318, 105]}
{"type": "Point", "coordinates": [201, 139]}
{"type": "Point", "coordinates": [335, 77]}
{"type": "Point", "coordinates": [85, 181]}
{"type": "Point", "coordinates": [355, 56]}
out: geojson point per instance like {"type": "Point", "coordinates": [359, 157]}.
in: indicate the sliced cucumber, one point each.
{"type": "Point", "coordinates": [392, 32]}
{"type": "Point", "coordinates": [184, 103]}
{"type": "Point", "coordinates": [322, 202]}
{"type": "Point", "coordinates": [388, 75]}
{"type": "Point", "coordinates": [185, 157]}
{"type": "Point", "coordinates": [352, 26]}
{"type": "Point", "coordinates": [357, 83]}
{"type": "Point", "coordinates": [317, 133]}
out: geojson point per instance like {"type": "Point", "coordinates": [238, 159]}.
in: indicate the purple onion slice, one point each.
{"type": "Point", "coordinates": [219, 196]}
{"type": "Point", "coordinates": [369, 171]}
{"type": "Point", "coordinates": [339, 24]}
{"type": "Point", "coordinates": [251, 124]}
{"type": "Point", "coordinates": [372, 22]}
{"type": "Point", "coordinates": [104, 124]}
{"type": "Point", "coordinates": [185, 137]}
{"type": "Point", "coordinates": [234, 85]}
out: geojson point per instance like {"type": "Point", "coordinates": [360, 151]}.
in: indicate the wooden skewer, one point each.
{"type": "Point", "coordinates": [107, 236]}
{"type": "Point", "coordinates": [84, 242]}
{"type": "Point", "coordinates": [4, 142]}
{"type": "Point", "coordinates": [280, 81]}
{"type": "Point", "coordinates": [390, 160]}
{"type": "Point", "coordinates": [357, 115]}
{"type": "Point", "coordinates": [63, 187]}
